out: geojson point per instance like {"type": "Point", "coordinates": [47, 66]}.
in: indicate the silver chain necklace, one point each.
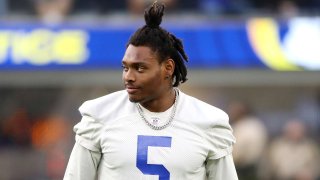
{"type": "Point", "coordinates": [173, 112]}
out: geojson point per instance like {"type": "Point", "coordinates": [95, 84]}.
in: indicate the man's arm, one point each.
{"type": "Point", "coordinates": [221, 169]}
{"type": "Point", "coordinates": [83, 164]}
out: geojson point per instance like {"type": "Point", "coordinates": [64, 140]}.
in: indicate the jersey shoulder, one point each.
{"type": "Point", "coordinates": [111, 106]}
{"type": "Point", "coordinates": [201, 113]}
{"type": "Point", "coordinates": [212, 121]}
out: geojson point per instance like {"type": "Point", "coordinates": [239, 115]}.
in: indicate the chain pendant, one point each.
{"type": "Point", "coordinates": [154, 127]}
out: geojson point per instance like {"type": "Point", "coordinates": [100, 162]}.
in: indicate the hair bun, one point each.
{"type": "Point", "coordinates": [153, 15]}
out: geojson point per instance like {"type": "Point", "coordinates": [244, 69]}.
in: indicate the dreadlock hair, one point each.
{"type": "Point", "coordinates": [165, 44]}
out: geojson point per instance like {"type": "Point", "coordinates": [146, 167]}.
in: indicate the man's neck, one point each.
{"type": "Point", "coordinates": [161, 103]}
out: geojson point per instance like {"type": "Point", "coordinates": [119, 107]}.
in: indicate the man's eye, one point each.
{"type": "Point", "coordinates": [140, 68]}
{"type": "Point", "coordinates": [124, 68]}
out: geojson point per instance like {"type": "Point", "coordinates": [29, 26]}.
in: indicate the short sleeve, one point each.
{"type": "Point", "coordinates": [220, 140]}
{"type": "Point", "coordinates": [88, 132]}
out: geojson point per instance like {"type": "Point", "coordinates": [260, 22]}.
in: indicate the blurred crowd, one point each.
{"type": "Point", "coordinates": [36, 136]}
{"type": "Point", "coordinates": [36, 132]}
{"type": "Point", "coordinates": [57, 10]}
{"type": "Point", "coordinates": [293, 154]}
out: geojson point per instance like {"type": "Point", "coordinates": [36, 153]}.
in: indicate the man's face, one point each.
{"type": "Point", "coordinates": [143, 75]}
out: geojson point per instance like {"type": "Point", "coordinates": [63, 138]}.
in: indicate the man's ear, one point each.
{"type": "Point", "coordinates": [169, 66]}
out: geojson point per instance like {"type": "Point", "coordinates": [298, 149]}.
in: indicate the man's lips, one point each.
{"type": "Point", "coordinates": [131, 89]}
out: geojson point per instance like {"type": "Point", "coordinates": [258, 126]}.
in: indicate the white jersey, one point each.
{"type": "Point", "coordinates": [187, 149]}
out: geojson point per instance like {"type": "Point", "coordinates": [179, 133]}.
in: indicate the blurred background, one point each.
{"type": "Point", "coordinates": [259, 60]}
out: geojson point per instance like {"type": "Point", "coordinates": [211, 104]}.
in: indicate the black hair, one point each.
{"type": "Point", "coordinates": [165, 44]}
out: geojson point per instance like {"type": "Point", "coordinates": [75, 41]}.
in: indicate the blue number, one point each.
{"type": "Point", "coordinates": [142, 155]}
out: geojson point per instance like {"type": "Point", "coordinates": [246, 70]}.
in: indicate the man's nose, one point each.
{"type": "Point", "coordinates": [129, 75]}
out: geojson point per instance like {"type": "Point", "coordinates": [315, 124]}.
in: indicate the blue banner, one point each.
{"type": "Point", "coordinates": [254, 44]}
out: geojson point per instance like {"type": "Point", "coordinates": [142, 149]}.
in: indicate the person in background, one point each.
{"type": "Point", "coordinates": [288, 9]}
{"type": "Point", "coordinates": [294, 156]}
{"type": "Point", "coordinates": [251, 136]}
{"type": "Point", "coordinates": [52, 11]}
{"type": "Point", "coordinates": [16, 129]}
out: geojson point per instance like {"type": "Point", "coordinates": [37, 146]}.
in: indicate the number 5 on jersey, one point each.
{"type": "Point", "coordinates": [142, 155]}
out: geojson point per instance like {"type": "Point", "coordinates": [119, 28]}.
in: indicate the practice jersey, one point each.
{"type": "Point", "coordinates": [199, 133]}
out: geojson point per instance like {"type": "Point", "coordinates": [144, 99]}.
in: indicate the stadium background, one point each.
{"type": "Point", "coordinates": [55, 54]}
